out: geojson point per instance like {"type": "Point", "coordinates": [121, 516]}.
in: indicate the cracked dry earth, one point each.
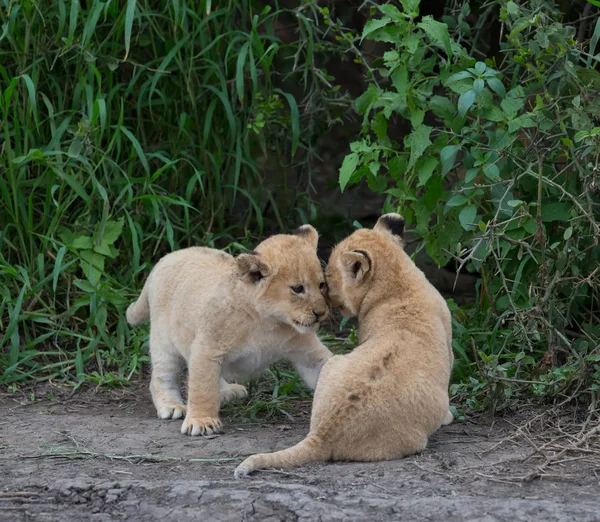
{"type": "Point", "coordinates": [105, 457]}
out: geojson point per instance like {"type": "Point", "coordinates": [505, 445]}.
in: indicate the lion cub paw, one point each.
{"type": "Point", "coordinates": [171, 411]}
{"type": "Point", "coordinates": [448, 419]}
{"type": "Point", "coordinates": [201, 426]}
{"type": "Point", "coordinates": [232, 392]}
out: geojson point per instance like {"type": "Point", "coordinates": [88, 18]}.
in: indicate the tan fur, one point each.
{"type": "Point", "coordinates": [228, 318]}
{"type": "Point", "coordinates": [383, 400]}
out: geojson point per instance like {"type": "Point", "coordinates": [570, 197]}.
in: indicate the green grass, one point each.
{"type": "Point", "coordinates": [129, 129]}
{"type": "Point", "coordinates": [279, 393]}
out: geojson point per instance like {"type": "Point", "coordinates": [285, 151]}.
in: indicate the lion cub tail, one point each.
{"type": "Point", "coordinates": [311, 449]}
{"type": "Point", "coordinates": [138, 312]}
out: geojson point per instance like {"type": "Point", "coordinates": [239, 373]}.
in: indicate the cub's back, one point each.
{"type": "Point", "coordinates": [190, 273]}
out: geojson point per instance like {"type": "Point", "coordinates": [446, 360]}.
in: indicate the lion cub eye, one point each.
{"type": "Point", "coordinates": [298, 289]}
{"type": "Point", "coordinates": [323, 287]}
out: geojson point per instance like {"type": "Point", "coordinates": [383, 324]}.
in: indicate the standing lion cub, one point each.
{"type": "Point", "coordinates": [383, 400]}
{"type": "Point", "coordinates": [228, 318]}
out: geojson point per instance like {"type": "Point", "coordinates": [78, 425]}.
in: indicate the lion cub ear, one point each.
{"type": "Point", "coordinates": [356, 265]}
{"type": "Point", "coordinates": [309, 234]}
{"type": "Point", "coordinates": [392, 224]}
{"type": "Point", "coordinates": [252, 268]}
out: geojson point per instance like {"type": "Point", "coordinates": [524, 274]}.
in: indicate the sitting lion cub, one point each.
{"type": "Point", "coordinates": [383, 400]}
{"type": "Point", "coordinates": [229, 318]}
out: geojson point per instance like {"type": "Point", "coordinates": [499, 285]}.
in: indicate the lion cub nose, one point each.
{"type": "Point", "coordinates": [320, 314]}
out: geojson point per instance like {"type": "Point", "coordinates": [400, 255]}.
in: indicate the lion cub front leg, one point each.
{"type": "Point", "coordinates": [203, 394]}
{"type": "Point", "coordinates": [308, 355]}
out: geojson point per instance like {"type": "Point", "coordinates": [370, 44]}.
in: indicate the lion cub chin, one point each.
{"type": "Point", "coordinates": [228, 318]}
{"type": "Point", "coordinates": [383, 400]}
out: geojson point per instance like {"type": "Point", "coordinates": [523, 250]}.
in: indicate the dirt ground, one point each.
{"type": "Point", "coordinates": [104, 457]}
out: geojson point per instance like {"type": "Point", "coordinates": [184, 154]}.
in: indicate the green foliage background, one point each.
{"type": "Point", "coordinates": [132, 128]}
{"type": "Point", "coordinates": [500, 173]}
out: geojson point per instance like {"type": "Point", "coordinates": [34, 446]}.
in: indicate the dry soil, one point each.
{"type": "Point", "coordinates": [104, 457]}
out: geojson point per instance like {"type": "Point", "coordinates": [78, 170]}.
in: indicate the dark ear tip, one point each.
{"type": "Point", "coordinates": [394, 223]}
{"type": "Point", "coordinates": [303, 230]}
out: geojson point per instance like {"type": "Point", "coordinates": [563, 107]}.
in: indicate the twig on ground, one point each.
{"type": "Point", "coordinates": [21, 494]}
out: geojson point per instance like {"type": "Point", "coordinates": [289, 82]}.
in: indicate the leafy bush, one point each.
{"type": "Point", "coordinates": [129, 129]}
{"type": "Point", "coordinates": [499, 174]}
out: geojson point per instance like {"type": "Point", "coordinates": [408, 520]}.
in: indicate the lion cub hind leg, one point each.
{"type": "Point", "coordinates": [231, 391]}
{"type": "Point", "coordinates": [165, 382]}
{"type": "Point", "coordinates": [448, 419]}
{"type": "Point", "coordinates": [203, 393]}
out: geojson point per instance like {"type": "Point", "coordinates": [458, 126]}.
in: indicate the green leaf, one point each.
{"type": "Point", "coordinates": [442, 107]}
{"type": "Point", "coordinates": [581, 135]}
{"type": "Point", "coordinates": [542, 39]}
{"type": "Point", "coordinates": [367, 98]}
{"type": "Point", "coordinates": [559, 211]}
{"type": "Point", "coordinates": [493, 113]}
{"type": "Point", "coordinates": [491, 171]}
{"type": "Point", "coordinates": [523, 121]}
{"type": "Point", "coordinates": [471, 174]}
{"type": "Point", "coordinates": [457, 200]}
{"type": "Point", "coordinates": [379, 124]}
{"type": "Point", "coordinates": [399, 78]}
{"type": "Point", "coordinates": [437, 32]}
{"type": "Point", "coordinates": [411, 43]}
{"type": "Point", "coordinates": [392, 11]}
{"type": "Point", "coordinates": [138, 148]}
{"type": "Point", "coordinates": [465, 101]}
{"type": "Point", "coordinates": [462, 75]}
{"type": "Point", "coordinates": [75, 148]}
{"type": "Point", "coordinates": [239, 75]}
{"type": "Point", "coordinates": [411, 7]}
{"type": "Point", "coordinates": [112, 231]}
{"type": "Point", "coordinates": [347, 169]}
{"type": "Point", "coordinates": [75, 185]}
{"type": "Point", "coordinates": [511, 106]}
{"type": "Point", "coordinates": [568, 233]}
{"type": "Point", "coordinates": [129, 15]}
{"type": "Point", "coordinates": [433, 192]}
{"type": "Point", "coordinates": [92, 265]}
{"type": "Point", "coordinates": [374, 167]}
{"type": "Point", "coordinates": [84, 285]}
{"type": "Point", "coordinates": [468, 217]}
{"type": "Point", "coordinates": [31, 91]}
{"type": "Point", "coordinates": [530, 226]}
{"type": "Point", "coordinates": [73, 15]}
{"type": "Point", "coordinates": [57, 266]}
{"type": "Point", "coordinates": [480, 67]}
{"type": "Point", "coordinates": [512, 8]}
{"type": "Point", "coordinates": [91, 20]}
{"type": "Point", "coordinates": [295, 118]}
{"type": "Point", "coordinates": [448, 157]}
{"type": "Point", "coordinates": [417, 142]}
{"type": "Point", "coordinates": [14, 316]}
{"type": "Point", "coordinates": [104, 250]}
{"type": "Point", "coordinates": [416, 118]}
{"type": "Point", "coordinates": [478, 85]}
{"type": "Point", "coordinates": [391, 58]}
{"type": "Point", "coordinates": [425, 168]}
{"type": "Point", "coordinates": [83, 243]}
{"type": "Point", "coordinates": [594, 40]}
{"type": "Point", "coordinates": [497, 86]}
{"type": "Point", "coordinates": [373, 25]}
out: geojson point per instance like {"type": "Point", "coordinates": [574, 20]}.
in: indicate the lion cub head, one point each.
{"type": "Point", "coordinates": [354, 262]}
{"type": "Point", "coordinates": [286, 280]}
